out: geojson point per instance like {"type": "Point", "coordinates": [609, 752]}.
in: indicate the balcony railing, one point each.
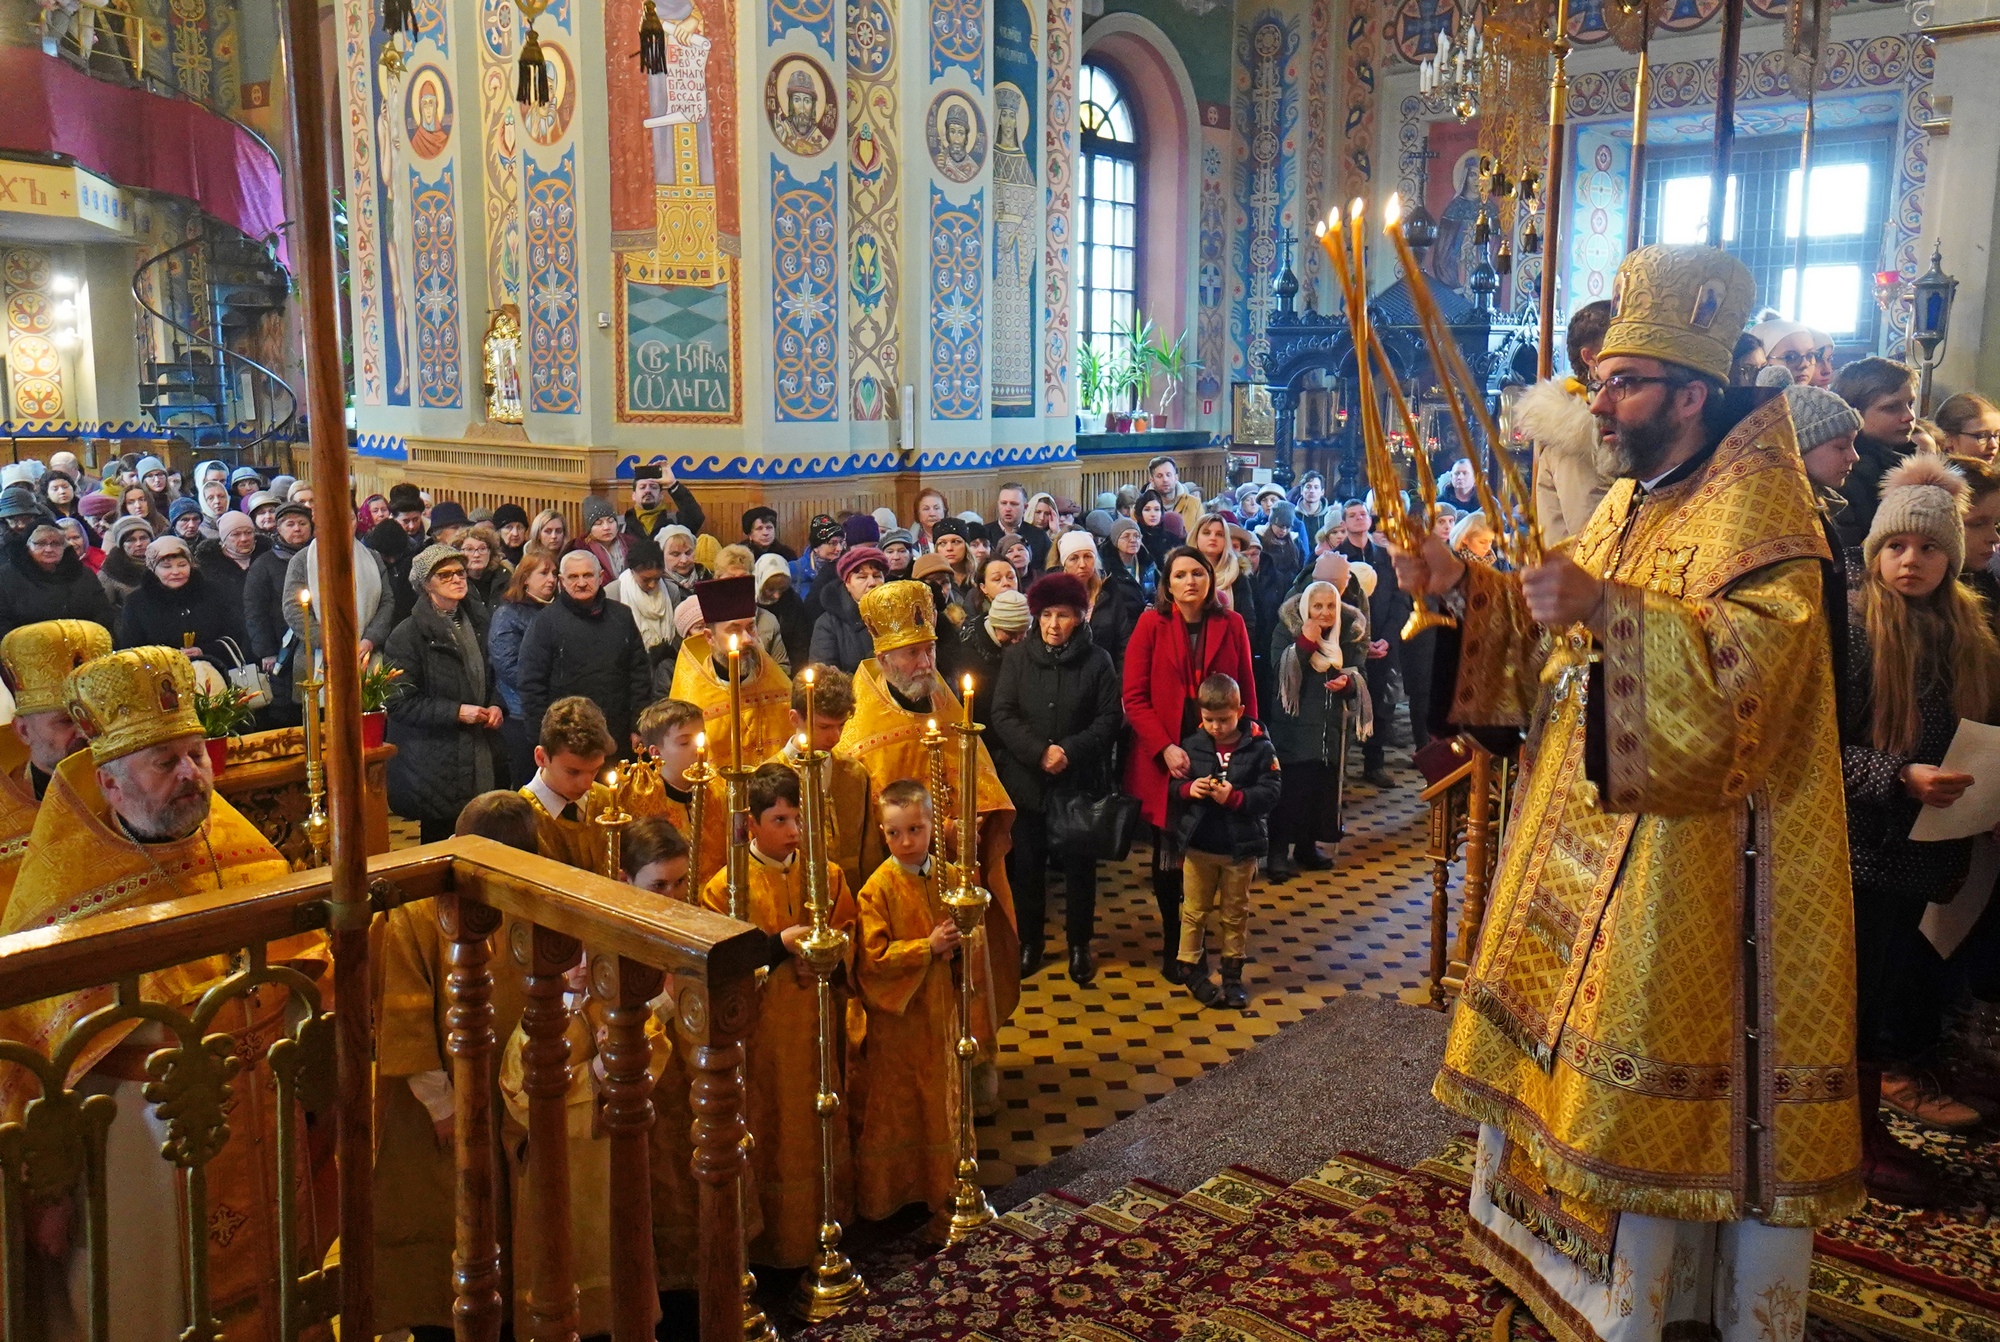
{"type": "Point", "coordinates": [645, 956]}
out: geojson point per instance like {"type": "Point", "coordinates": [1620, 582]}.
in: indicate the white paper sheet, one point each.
{"type": "Point", "coordinates": [1974, 750]}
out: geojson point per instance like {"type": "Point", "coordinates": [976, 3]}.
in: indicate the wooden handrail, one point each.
{"type": "Point", "coordinates": [633, 944]}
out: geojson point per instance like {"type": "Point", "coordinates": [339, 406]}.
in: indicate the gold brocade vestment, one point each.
{"type": "Point", "coordinates": [886, 739]}
{"type": "Point", "coordinates": [18, 808]}
{"type": "Point", "coordinates": [578, 842]}
{"type": "Point", "coordinates": [1614, 1024]}
{"type": "Point", "coordinates": [80, 865]}
{"type": "Point", "coordinates": [781, 1067]}
{"type": "Point", "coordinates": [766, 693]}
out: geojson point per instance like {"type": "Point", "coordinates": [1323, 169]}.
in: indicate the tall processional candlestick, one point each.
{"type": "Point", "coordinates": [967, 902]}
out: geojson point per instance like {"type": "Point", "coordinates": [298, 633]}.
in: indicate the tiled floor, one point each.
{"type": "Point", "coordinates": [1074, 1061]}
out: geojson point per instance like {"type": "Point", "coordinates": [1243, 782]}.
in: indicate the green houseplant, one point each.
{"type": "Point", "coordinates": [223, 713]}
{"type": "Point", "coordinates": [378, 682]}
{"type": "Point", "coordinates": [1173, 363]}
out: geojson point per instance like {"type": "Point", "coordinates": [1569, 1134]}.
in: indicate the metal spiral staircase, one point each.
{"type": "Point", "coordinates": [216, 399]}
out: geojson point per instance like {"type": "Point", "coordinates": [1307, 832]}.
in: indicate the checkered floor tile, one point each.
{"type": "Point", "coordinates": [1074, 1061]}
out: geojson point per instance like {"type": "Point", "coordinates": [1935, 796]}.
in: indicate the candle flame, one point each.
{"type": "Point", "coordinates": [1392, 210]}
{"type": "Point", "coordinates": [931, 725]}
{"type": "Point", "coordinates": [1333, 221]}
{"type": "Point", "coordinates": [802, 742]}
{"type": "Point", "coordinates": [732, 644]}
{"type": "Point", "coordinates": [701, 743]}
{"type": "Point", "coordinates": [1355, 209]}
{"type": "Point", "coordinates": [611, 779]}
{"type": "Point", "coordinates": [967, 682]}
{"type": "Point", "coordinates": [1319, 229]}
{"type": "Point", "coordinates": [305, 596]}
{"type": "Point", "coordinates": [808, 675]}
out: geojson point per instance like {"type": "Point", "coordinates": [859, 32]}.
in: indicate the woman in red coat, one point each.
{"type": "Point", "coordinates": [1187, 636]}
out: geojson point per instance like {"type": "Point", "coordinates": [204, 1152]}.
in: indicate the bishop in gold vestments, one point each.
{"type": "Point", "coordinates": [37, 660]}
{"type": "Point", "coordinates": [83, 862]}
{"type": "Point", "coordinates": [1657, 1030]}
{"type": "Point", "coordinates": [781, 1066]}
{"type": "Point", "coordinates": [885, 735]}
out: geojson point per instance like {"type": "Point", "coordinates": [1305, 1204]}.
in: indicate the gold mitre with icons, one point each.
{"type": "Point", "coordinates": [130, 700]}
{"type": "Point", "coordinates": [37, 660]}
{"type": "Point", "coordinates": [1680, 304]}
{"type": "Point", "coordinates": [899, 615]}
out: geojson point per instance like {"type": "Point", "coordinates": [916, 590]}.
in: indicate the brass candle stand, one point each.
{"type": "Point", "coordinates": [967, 902]}
{"type": "Point", "coordinates": [316, 825]}
{"type": "Point", "coordinates": [699, 778]}
{"type": "Point", "coordinates": [612, 820]}
{"type": "Point", "coordinates": [830, 1284]}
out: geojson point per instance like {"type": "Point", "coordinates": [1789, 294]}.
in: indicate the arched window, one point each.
{"type": "Point", "coordinates": [1108, 275]}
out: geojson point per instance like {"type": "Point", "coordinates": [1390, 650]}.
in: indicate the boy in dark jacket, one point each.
{"type": "Point", "coordinates": [1232, 785]}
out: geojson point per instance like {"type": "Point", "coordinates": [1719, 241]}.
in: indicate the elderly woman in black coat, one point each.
{"type": "Point", "coordinates": [444, 717]}
{"type": "Point", "coordinates": [174, 606]}
{"type": "Point", "coordinates": [1057, 712]}
{"type": "Point", "coordinates": [41, 578]}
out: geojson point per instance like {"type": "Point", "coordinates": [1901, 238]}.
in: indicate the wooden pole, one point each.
{"type": "Point", "coordinates": [1552, 194]}
{"type": "Point", "coordinates": [1642, 98]}
{"type": "Point", "coordinates": [1805, 202]}
{"type": "Point", "coordinates": [1725, 116]}
{"type": "Point", "coordinates": [315, 130]}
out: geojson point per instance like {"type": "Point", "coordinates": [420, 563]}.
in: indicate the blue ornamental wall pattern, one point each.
{"type": "Point", "coordinates": [1267, 124]}
{"type": "Point", "coordinates": [958, 39]}
{"type": "Point", "coordinates": [555, 383]}
{"type": "Point", "coordinates": [957, 307]}
{"type": "Point", "coordinates": [805, 293]}
{"type": "Point", "coordinates": [434, 235]}
{"type": "Point", "coordinates": [815, 16]}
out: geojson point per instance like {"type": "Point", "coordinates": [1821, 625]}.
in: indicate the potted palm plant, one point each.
{"type": "Point", "coordinates": [1173, 363]}
{"type": "Point", "coordinates": [378, 679]}
{"type": "Point", "coordinates": [1139, 338]}
{"type": "Point", "coordinates": [1090, 388]}
{"type": "Point", "coordinates": [223, 713]}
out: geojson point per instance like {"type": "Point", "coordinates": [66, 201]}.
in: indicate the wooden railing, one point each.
{"type": "Point", "coordinates": [696, 968]}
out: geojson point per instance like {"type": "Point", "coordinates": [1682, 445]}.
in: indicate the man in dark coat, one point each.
{"type": "Point", "coordinates": [583, 643]}
{"type": "Point", "coordinates": [264, 605]}
{"type": "Point", "coordinates": [650, 510]}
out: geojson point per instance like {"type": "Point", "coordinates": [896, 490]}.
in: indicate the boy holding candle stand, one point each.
{"type": "Point", "coordinates": [671, 730]}
{"type": "Point", "coordinates": [853, 842]}
{"type": "Point", "coordinates": [781, 1059]}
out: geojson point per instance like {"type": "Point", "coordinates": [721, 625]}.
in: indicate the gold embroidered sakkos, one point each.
{"type": "Point", "coordinates": [1607, 1022]}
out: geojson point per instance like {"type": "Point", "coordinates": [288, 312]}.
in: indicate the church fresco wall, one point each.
{"type": "Point", "coordinates": [676, 231]}
{"type": "Point", "coordinates": [956, 140]}
{"type": "Point", "coordinates": [875, 215]}
{"type": "Point", "coordinates": [1017, 213]}
{"type": "Point", "coordinates": [803, 97]}
{"type": "Point", "coordinates": [1268, 74]}
{"type": "Point", "coordinates": [1058, 207]}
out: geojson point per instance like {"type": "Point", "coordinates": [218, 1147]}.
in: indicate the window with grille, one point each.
{"type": "Point", "coordinates": [1107, 280]}
{"type": "Point", "coordinates": [1846, 208]}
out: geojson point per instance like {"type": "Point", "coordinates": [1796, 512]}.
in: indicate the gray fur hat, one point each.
{"type": "Point", "coordinates": [428, 559]}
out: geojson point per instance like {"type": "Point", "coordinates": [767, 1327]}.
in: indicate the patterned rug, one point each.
{"type": "Point", "coordinates": [1921, 1275]}
{"type": "Point", "coordinates": [1359, 1249]}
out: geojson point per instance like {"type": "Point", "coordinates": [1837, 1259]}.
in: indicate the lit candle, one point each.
{"type": "Point", "coordinates": [305, 627]}
{"type": "Point", "coordinates": [1357, 318]}
{"type": "Point", "coordinates": [735, 703]}
{"type": "Point", "coordinates": [967, 683]}
{"type": "Point", "coordinates": [809, 677]}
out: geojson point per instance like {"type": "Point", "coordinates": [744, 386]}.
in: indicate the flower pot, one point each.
{"type": "Point", "coordinates": [1142, 422]}
{"type": "Point", "coordinates": [218, 753]}
{"type": "Point", "coordinates": [1118, 422]}
{"type": "Point", "coordinates": [374, 728]}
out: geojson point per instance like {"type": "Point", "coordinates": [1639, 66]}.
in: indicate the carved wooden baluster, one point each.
{"type": "Point", "coordinates": [715, 1044]}
{"type": "Point", "coordinates": [1478, 862]}
{"type": "Point", "coordinates": [627, 986]}
{"type": "Point", "coordinates": [546, 1075]}
{"type": "Point", "coordinates": [469, 989]}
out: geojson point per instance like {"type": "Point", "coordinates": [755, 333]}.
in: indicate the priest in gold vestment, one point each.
{"type": "Point", "coordinates": [1657, 1030]}
{"type": "Point", "coordinates": [131, 822]}
{"type": "Point", "coordinates": [37, 660]}
{"type": "Point", "coordinates": [896, 693]}
{"type": "Point", "coordinates": [701, 674]}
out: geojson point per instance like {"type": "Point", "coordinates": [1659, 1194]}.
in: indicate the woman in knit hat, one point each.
{"type": "Point", "coordinates": [124, 563]}
{"type": "Point", "coordinates": [1921, 656]}
{"type": "Point", "coordinates": [606, 534]}
{"type": "Point", "coordinates": [176, 607]}
{"type": "Point", "coordinates": [510, 523]}
{"type": "Point", "coordinates": [760, 533]}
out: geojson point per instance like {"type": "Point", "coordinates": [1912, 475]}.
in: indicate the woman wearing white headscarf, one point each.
{"type": "Point", "coordinates": [1316, 651]}
{"type": "Point", "coordinates": [1797, 347]}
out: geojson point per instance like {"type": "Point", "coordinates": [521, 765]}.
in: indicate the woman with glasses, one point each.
{"type": "Point", "coordinates": [1884, 393]}
{"type": "Point", "coordinates": [1971, 426]}
{"type": "Point", "coordinates": [44, 579]}
{"type": "Point", "coordinates": [1800, 349]}
{"type": "Point", "coordinates": [444, 714]}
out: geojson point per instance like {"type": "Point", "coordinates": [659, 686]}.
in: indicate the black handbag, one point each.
{"type": "Point", "coordinates": [1099, 826]}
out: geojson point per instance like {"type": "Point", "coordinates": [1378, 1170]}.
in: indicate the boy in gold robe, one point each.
{"type": "Point", "coordinates": [701, 674]}
{"type": "Point", "coordinates": [135, 821]}
{"type": "Point", "coordinates": [854, 843]}
{"type": "Point", "coordinates": [906, 1148]}
{"type": "Point", "coordinates": [414, 1105]}
{"type": "Point", "coordinates": [781, 1063]}
{"type": "Point", "coordinates": [36, 659]}
{"type": "Point", "coordinates": [567, 797]}
{"type": "Point", "coordinates": [670, 729]}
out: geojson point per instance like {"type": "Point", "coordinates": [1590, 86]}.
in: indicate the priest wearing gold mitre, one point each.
{"type": "Point", "coordinates": [135, 821]}
{"type": "Point", "coordinates": [701, 674]}
{"type": "Point", "coordinates": [896, 692]}
{"type": "Point", "coordinates": [36, 660]}
{"type": "Point", "coordinates": [1657, 1032]}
